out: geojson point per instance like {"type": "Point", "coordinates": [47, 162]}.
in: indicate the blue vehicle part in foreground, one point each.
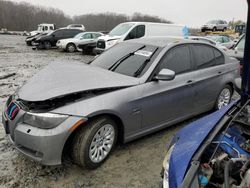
{"type": "Point", "coordinates": [231, 143]}
{"type": "Point", "coordinates": [188, 140]}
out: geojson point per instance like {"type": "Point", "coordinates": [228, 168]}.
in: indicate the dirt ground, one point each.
{"type": "Point", "coordinates": [135, 164]}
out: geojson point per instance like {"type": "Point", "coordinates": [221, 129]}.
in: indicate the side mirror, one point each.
{"type": "Point", "coordinates": [165, 75]}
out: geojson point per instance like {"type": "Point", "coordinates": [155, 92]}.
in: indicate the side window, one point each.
{"type": "Point", "coordinates": [140, 31]}
{"type": "Point", "coordinates": [87, 36]}
{"type": "Point", "coordinates": [226, 39]}
{"type": "Point", "coordinates": [96, 35]}
{"type": "Point", "coordinates": [137, 32]}
{"type": "Point", "coordinates": [219, 57]}
{"type": "Point", "coordinates": [46, 28]}
{"type": "Point", "coordinates": [51, 28]}
{"type": "Point", "coordinates": [177, 59]}
{"type": "Point", "coordinates": [203, 56]}
{"type": "Point", "coordinates": [58, 33]}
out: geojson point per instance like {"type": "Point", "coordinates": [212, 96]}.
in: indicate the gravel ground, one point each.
{"type": "Point", "coordinates": [136, 164]}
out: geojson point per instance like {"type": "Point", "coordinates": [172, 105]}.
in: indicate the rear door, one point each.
{"type": "Point", "coordinates": [210, 69]}
{"type": "Point", "coordinates": [168, 101]}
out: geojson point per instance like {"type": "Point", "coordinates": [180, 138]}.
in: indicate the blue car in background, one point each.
{"type": "Point", "coordinates": [214, 151]}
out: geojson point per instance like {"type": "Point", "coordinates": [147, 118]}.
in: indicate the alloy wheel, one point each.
{"type": "Point", "coordinates": [102, 143]}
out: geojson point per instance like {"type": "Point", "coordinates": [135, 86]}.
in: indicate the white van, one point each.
{"type": "Point", "coordinates": [132, 30]}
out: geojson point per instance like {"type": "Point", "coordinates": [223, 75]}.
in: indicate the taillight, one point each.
{"type": "Point", "coordinates": [240, 68]}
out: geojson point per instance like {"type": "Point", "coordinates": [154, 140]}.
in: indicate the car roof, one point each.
{"type": "Point", "coordinates": [163, 41]}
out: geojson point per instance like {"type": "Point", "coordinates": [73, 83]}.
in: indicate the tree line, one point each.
{"type": "Point", "coordinates": [24, 16]}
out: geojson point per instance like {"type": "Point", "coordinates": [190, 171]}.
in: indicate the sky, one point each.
{"type": "Point", "coordinates": [192, 13]}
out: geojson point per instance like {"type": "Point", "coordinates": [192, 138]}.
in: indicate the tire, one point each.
{"type": "Point", "coordinates": [214, 29]}
{"type": "Point", "coordinates": [71, 48]}
{"type": "Point", "coordinates": [224, 97]}
{"type": "Point", "coordinates": [88, 137]}
{"type": "Point", "coordinates": [224, 29]}
{"type": "Point", "coordinates": [28, 43]}
{"type": "Point", "coordinates": [47, 45]}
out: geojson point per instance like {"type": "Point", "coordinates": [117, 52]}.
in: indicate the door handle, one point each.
{"type": "Point", "coordinates": [190, 82]}
{"type": "Point", "coordinates": [219, 72]}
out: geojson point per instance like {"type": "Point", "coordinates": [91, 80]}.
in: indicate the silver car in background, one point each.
{"type": "Point", "coordinates": [215, 25]}
{"type": "Point", "coordinates": [133, 89]}
{"type": "Point", "coordinates": [84, 38]}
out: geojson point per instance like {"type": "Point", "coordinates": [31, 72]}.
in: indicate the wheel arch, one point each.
{"type": "Point", "coordinates": [231, 85]}
{"type": "Point", "coordinates": [115, 117]}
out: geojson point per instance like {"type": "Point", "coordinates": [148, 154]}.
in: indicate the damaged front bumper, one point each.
{"type": "Point", "coordinates": [42, 145]}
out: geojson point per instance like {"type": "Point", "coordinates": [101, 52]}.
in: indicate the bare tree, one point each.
{"type": "Point", "coordinates": [24, 16]}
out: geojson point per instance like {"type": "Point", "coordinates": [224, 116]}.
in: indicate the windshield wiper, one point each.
{"type": "Point", "coordinates": [139, 71]}
{"type": "Point", "coordinates": [117, 63]}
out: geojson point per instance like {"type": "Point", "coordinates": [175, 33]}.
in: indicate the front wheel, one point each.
{"type": "Point", "coordinates": [224, 97]}
{"type": "Point", "coordinates": [71, 48]}
{"type": "Point", "coordinates": [93, 143]}
{"type": "Point", "coordinates": [47, 45]}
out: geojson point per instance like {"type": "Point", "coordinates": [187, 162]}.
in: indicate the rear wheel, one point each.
{"type": "Point", "coordinates": [93, 143]}
{"type": "Point", "coordinates": [214, 29]}
{"type": "Point", "coordinates": [224, 97]}
{"type": "Point", "coordinates": [71, 47]}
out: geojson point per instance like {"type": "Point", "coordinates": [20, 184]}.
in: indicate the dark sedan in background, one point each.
{"type": "Point", "coordinates": [50, 40]}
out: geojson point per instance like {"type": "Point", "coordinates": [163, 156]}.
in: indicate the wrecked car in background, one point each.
{"type": "Point", "coordinates": [132, 89]}
{"type": "Point", "coordinates": [50, 40]}
{"type": "Point", "coordinates": [214, 151]}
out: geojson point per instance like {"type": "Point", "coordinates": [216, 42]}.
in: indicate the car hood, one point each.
{"type": "Point", "coordinates": [60, 79]}
{"type": "Point", "coordinates": [188, 140]}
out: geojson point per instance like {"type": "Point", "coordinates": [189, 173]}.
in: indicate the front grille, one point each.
{"type": "Point", "coordinates": [101, 44]}
{"type": "Point", "coordinates": [12, 110]}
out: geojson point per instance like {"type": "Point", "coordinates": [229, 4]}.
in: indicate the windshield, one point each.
{"type": "Point", "coordinates": [241, 45]}
{"type": "Point", "coordinates": [121, 29]}
{"type": "Point", "coordinates": [127, 59]}
{"type": "Point", "coordinates": [79, 35]}
{"type": "Point", "coordinates": [49, 33]}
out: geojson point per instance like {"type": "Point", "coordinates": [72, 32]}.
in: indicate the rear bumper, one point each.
{"type": "Point", "coordinates": [42, 145]}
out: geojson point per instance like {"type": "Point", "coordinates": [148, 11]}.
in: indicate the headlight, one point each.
{"type": "Point", "coordinates": [167, 157]}
{"type": "Point", "coordinates": [112, 42]}
{"type": "Point", "coordinates": [166, 167]}
{"type": "Point", "coordinates": [44, 120]}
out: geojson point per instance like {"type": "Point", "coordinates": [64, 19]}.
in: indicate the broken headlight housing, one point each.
{"type": "Point", "coordinates": [44, 120]}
